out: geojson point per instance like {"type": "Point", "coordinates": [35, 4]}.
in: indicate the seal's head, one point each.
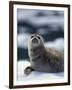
{"type": "Point", "coordinates": [35, 40]}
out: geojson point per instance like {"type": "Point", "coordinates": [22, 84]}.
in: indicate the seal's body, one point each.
{"type": "Point", "coordinates": [44, 59]}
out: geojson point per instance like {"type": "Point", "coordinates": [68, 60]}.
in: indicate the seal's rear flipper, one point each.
{"type": "Point", "coordinates": [28, 70]}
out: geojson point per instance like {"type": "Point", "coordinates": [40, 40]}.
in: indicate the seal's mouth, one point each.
{"type": "Point", "coordinates": [34, 40]}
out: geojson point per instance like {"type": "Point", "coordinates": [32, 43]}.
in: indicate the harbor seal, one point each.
{"type": "Point", "coordinates": [43, 59]}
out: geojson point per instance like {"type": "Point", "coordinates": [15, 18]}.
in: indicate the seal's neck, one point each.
{"type": "Point", "coordinates": [37, 50]}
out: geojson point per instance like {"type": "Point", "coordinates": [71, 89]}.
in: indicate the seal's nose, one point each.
{"type": "Point", "coordinates": [34, 40]}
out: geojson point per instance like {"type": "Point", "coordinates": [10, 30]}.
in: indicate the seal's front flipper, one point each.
{"type": "Point", "coordinates": [28, 70]}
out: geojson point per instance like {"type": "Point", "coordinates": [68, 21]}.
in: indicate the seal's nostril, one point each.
{"type": "Point", "coordinates": [35, 40]}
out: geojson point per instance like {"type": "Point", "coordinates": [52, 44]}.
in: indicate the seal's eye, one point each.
{"type": "Point", "coordinates": [38, 37]}
{"type": "Point", "coordinates": [32, 36]}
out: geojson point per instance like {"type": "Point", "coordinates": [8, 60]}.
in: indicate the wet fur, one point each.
{"type": "Point", "coordinates": [45, 59]}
